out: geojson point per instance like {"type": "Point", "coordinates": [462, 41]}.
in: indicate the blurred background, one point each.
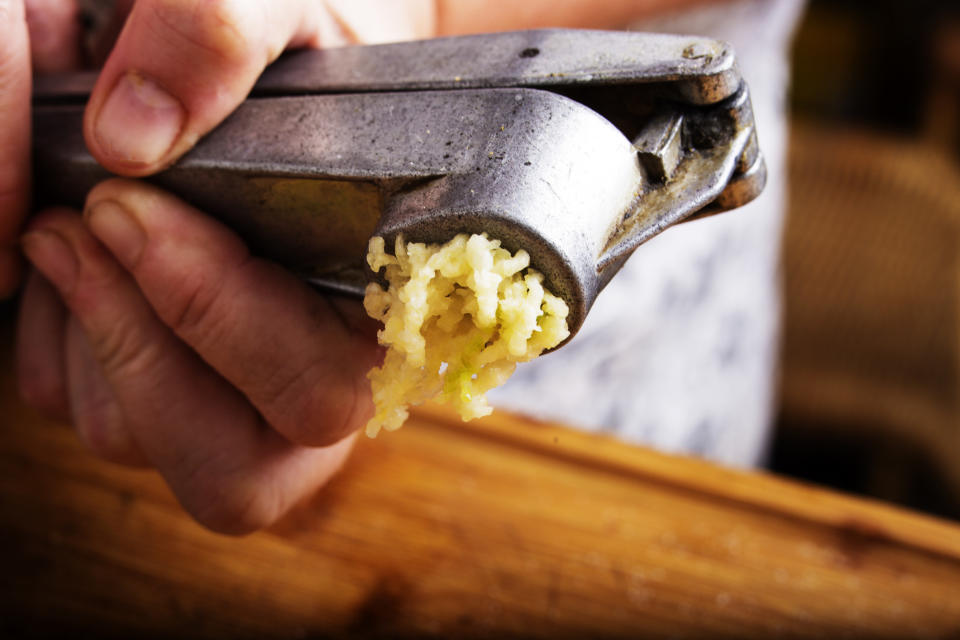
{"type": "Point", "coordinates": [870, 381]}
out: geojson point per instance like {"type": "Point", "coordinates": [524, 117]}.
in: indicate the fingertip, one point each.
{"type": "Point", "coordinates": [62, 248]}
{"type": "Point", "coordinates": [232, 512]}
{"type": "Point", "coordinates": [177, 70]}
{"type": "Point", "coordinates": [54, 27]}
{"type": "Point", "coordinates": [45, 393]}
{"type": "Point", "coordinates": [116, 189]}
{"type": "Point", "coordinates": [118, 229]}
{"type": "Point", "coordinates": [136, 129]}
{"type": "Point", "coordinates": [265, 491]}
{"type": "Point", "coordinates": [39, 362]}
{"type": "Point", "coordinates": [54, 257]}
{"type": "Point", "coordinates": [135, 219]}
{"type": "Point", "coordinates": [49, 219]}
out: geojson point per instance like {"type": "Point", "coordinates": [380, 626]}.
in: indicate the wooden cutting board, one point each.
{"type": "Point", "coordinates": [500, 528]}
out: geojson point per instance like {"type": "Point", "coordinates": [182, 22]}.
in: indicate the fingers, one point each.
{"type": "Point", "coordinates": [93, 406]}
{"type": "Point", "coordinates": [229, 471]}
{"type": "Point", "coordinates": [298, 359]}
{"type": "Point", "coordinates": [54, 27]}
{"type": "Point", "coordinates": [58, 374]}
{"type": "Point", "coordinates": [180, 67]}
{"type": "Point", "coordinates": [41, 373]}
{"type": "Point", "coordinates": [14, 137]}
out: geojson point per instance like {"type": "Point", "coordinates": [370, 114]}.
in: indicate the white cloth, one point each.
{"type": "Point", "coordinates": [679, 352]}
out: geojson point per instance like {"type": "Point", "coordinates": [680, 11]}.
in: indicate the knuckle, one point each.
{"type": "Point", "coordinates": [200, 301]}
{"type": "Point", "coordinates": [225, 29]}
{"type": "Point", "coordinates": [124, 351]}
{"type": "Point", "coordinates": [347, 411]}
{"type": "Point", "coordinates": [192, 310]}
{"type": "Point", "coordinates": [224, 494]}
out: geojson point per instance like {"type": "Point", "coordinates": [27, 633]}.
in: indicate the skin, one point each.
{"type": "Point", "coordinates": [146, 324]}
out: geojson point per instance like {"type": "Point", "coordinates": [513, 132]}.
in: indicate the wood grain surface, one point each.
{"type": "Point", "coordinates": [499, 528]}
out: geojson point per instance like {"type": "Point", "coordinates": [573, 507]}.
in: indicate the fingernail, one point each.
{"type": "Point", "coordinates": [53, 257]}
{"type": "Point", "coordinates": [115, 227]}
{"type": "Point", "coordinates": [139, 122]}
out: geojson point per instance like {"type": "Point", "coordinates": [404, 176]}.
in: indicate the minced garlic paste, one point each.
{"type": "Point", "coordinates": [457, 318]}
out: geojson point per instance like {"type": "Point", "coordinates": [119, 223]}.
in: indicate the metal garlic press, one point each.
{"type": "Point", "coordinates": [577, 146]}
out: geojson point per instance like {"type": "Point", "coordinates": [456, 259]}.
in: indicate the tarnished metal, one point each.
{"type": "Point", "coordinates": [574, 145]}
{"type": "Point", "coordinates": [660, 146]}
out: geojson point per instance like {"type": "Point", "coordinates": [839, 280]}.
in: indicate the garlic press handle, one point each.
{"type": "Point", "coordinates": [577, 146]}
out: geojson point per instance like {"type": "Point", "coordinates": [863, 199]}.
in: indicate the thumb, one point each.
{"type": "Point", "coordinates": [179, 68]}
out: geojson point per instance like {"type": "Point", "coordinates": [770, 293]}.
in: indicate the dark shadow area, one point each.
{"type": "Point", "coordinates": [883, 468]}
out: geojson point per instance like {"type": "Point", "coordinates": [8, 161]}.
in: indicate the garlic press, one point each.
{"type": "Point", "coordinates": [577, 146]}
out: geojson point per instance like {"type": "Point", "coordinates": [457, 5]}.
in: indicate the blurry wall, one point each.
{"type": "Point", "coordinates": [870, 381]}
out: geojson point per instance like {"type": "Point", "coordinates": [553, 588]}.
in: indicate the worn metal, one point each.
{"type": "Point", "coordinates": [660, 146]}
{"type": "Point", "coordinates": [577, 146]}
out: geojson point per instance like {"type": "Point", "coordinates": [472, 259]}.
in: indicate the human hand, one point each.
{"type": "Point", "coordinates": [147, 324]}
{"type": "Point", "coordinates": [150, 327]}
{"type": "Point", "coordinates": [174, 348]}
{"type": "Point", "coordinates": [187, 64]}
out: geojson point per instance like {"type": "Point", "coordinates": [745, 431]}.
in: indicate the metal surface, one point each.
{"type": "Point", "coordinates": [574, 145]}
{"type": "Point", "coordinates": [693, 69]}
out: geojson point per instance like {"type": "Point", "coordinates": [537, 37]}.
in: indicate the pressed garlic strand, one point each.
{"type": "Point", "coordinates": [457, 319]}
